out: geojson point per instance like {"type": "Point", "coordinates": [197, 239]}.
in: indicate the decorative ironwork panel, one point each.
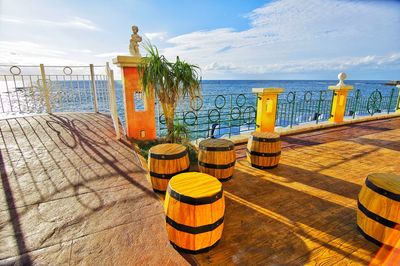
{"type": "Point", "coordinates": [296, 107]}
{"type": "Point", "coordinates": [214, 115]}
{"type": "Point", "coordinates": [364, 103]}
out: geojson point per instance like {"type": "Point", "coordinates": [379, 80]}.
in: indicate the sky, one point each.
{"type": "Point", "coordinates": [235, 39]}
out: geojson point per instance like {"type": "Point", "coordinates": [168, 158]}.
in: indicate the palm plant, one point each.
{"type": "Point", "coordinates": [169, 81]}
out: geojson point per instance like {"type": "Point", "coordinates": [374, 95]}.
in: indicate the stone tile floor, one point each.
{"type": "Point", "coordinates": [72, 195]}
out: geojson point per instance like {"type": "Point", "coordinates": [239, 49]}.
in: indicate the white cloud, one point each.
{"type": "Point", "coordinates": [110, 54]}
{"type": "Point", "coordinates": [74, 22]}
{"type": "Point", "coordinates": [152, 36]}
{"type": "Point", "coordinates": [27, 53]}
{"type": "Point", "coordinates": [336, 64]}
{"type": "Point", "coordinates": [295, 36]}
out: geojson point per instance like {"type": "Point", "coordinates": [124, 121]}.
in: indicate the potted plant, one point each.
{"type": "Point", "coordinates": [170, 81]}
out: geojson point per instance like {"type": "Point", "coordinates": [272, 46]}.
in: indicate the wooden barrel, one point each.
{"type": "Point", "coordinates": [194, 207]}
{"type": "Point", "coordinates": [165, 161]}
{"type": "Point", "coordinates": [378, 214]}
{"type": "Point", "coordinates": [264, 150]}
{"type": "Point", "coordinates": [217, 157]}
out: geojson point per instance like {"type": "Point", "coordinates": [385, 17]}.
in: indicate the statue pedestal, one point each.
{"type": "Point", "coordinates": [140, 124]}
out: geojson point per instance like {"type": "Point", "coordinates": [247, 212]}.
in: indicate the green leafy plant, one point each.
{"type": "Point", "coordinates": [180, 133]}
{"type": "Point", "coordinates": [170, 81]}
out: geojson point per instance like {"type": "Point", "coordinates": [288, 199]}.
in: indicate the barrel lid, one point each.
{"type": "Point", "coordinates": [195, 185]}
{"type": "Point", "coordinates": [167, 148]}
{"type": "Point", "coordinates": [216, 144]}
{"type": "Point", "coordinates": [265, 135]}
{"type": "Point", "coordinates": [386, 181]}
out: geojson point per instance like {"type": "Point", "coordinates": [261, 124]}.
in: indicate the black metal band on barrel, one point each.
{"type": "Point", "coordinates": [159, 191]}
{"type": "Point", "coordinates": [260, 139]}
{"type": "Point", "coordinates": [376, 217]}
{"type": "Point", "coordinates": [194, 230]}
{"type": "Point", "coordinates": [382, 191]}
{"type": "Point", "coordinates": [168, 156]}
{"type": "Point", "coordinates": [217, 166]}
{"type": "Point", "coordinates": [264, 154]}
{"type": "Point", "coordinates": [167, 176]}
{"type": "Point", "coordinates": [225, 179]}
{"type": "Point", "coordinates": [189, 251]}
{"type": "Point", "coordinates": [226, 148]}
{"type": "Point", "coordinates": [368, 237]}
{"type": "Point", "coordinates": [263, 167]}
{"type": "Point", "coordinates": [194, 201]}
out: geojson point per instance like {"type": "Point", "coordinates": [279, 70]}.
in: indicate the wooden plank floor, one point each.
{"type": "Point", "coordinates": [304, 211]}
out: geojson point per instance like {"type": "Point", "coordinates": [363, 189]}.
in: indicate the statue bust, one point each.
{"type": "Point", "coordinates": [134, 42]}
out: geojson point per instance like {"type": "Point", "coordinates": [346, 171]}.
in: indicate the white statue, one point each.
{"type": "Point", "coordinates": [134, 42]}
{"type": "Point", "coordinates": [342, 76]}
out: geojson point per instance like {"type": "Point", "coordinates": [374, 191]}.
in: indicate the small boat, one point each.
{"type": "Point", "coordinates": [393, 83]}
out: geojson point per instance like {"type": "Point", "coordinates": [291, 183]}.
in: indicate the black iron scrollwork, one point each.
{"type": "Point", "coordinates": [374, 102]}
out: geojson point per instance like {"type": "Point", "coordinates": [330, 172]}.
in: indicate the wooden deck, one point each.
{"type": "Point", "coordinates": [72, 195]}
{"type": "Point", "coordinates": [304, 211]}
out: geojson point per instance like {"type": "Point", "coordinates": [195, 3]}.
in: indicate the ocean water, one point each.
{"type": "Point", "coordinates": [233, 110]}
{"type": "Point", "coordinates": [228, 106]}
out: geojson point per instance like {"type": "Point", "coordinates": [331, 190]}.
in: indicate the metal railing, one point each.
{"type": "Point", "coordinates": [295, 108]}
{"type": "Point", "coordinates": [38, 89]}
{"type": "Point", "coordinates": [213, 115]}
{"type": "Point", "coordinates": [49, 89]}
{"type": "Point", "coordinates": [227, 115]}
{"type": "Point", "coordinates": [370, 103]}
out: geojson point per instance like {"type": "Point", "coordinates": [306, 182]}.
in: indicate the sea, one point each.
{"type": "Point", "coordinates": [230, 90]}
{"type": "Point", "coordinates": [227, 105]}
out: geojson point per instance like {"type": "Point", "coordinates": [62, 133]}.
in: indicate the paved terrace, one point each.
{"type": "Point", "coordinates": [71, 194]}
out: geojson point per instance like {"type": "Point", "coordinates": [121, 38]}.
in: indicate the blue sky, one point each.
{"type": "Point", "coordinates": [282, 39]}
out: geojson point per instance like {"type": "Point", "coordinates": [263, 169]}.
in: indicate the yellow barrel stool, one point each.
{"type": "Point", "coordinates": [194, 207]}
{"type": "Point", "coordinates": [378, 214]}
{"type": "Point", "coordinates": [264, 150]}
{"type": "Point", "coordinates": [217, 157]}
{"type": "Point", "coordinates": [165, 161]}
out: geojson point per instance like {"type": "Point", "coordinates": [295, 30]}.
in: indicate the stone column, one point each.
{"type": "Point", "coordinates": [339, 99]}
{"type": "Point", "coordinates": [140, 122]}
{"type": "Point", "coordinates": [267, 103]}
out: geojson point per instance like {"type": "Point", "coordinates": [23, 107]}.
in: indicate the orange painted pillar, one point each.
{"type": "Point", "coordinates": [140, 123]}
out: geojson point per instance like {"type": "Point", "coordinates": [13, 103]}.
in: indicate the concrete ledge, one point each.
{"type": "Point", "coordinates": [286, 131]}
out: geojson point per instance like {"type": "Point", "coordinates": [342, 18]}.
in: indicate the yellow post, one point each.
{"type": "Point", "coordinates": [267, 103]}
{"type": "Point", "coordinates": [398, 101]}
{"type": "Point", "coordinates": [339, 99]}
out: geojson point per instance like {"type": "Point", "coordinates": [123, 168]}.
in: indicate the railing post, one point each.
{"type": "Point", "coordinates": [267, 103]}
{"type": "Point", "coordinates": [94, 91]}
{"type": "Point", "coordinates": [398, 101]}
{"type": "Point", "coordinates": [339, 99]}
{"type": "Point", "coordinates": [113, 101]}
{"type": "Point", "coordinates": [46, 92]}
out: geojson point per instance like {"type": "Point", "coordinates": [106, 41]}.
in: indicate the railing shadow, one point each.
{"type": "Point", "coordinates": [49, 146]}
{"type": "Point", "coordinates": [24, 258]}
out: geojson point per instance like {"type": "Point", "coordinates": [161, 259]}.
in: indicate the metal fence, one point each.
{"type": "Point", "coordinates": [295, 108]}
{"type": "Point", "coordinates": [213, 115]}
{"type": "Point", "coordinates": [227, 115]}
{"type": "Point", "coordinates": [49, 89]}
{"type": "Point", "coordinates": [38, 89]}
{"type": "Point", "coordinates": [370, 103]}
